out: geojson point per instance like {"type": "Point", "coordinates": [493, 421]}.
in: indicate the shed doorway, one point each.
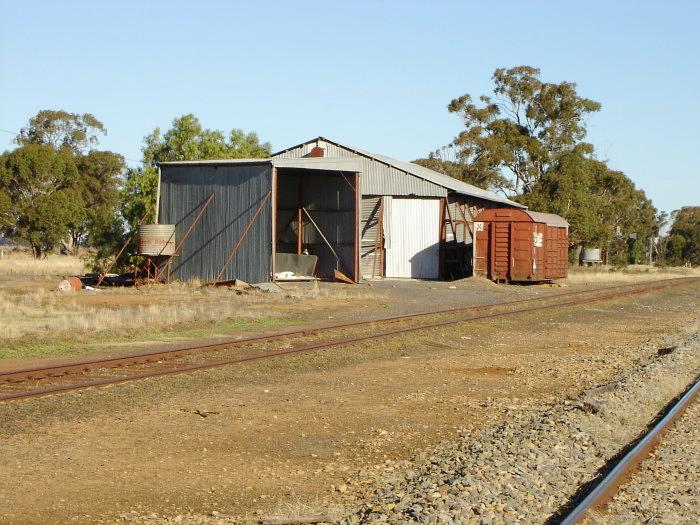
{"type": "Point", "coordinates": [412, 237]}
{"type": "Point", "coordinates": [316, 223]}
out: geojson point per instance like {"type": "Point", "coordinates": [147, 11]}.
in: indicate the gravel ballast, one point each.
{"type": "Point", "coordinates": [666, 488]}
{"type": "Point", "coordinates": [527, 469]}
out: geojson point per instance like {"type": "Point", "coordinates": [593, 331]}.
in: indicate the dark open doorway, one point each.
{"type": "Point", "coordinates": [317, 214]}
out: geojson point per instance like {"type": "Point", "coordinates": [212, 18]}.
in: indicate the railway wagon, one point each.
{"type": "Point", "coordinates": [520, 245]}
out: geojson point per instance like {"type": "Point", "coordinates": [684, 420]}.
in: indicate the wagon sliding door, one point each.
{"type": "Point", "coordinates": [413, 243]}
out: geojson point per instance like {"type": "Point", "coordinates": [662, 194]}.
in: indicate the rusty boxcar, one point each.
{"type": "Point", "coordinates": [520, 245]}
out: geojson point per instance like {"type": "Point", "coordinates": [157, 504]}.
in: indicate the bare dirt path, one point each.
{"type": "Point", "coordinates": [249, 439]}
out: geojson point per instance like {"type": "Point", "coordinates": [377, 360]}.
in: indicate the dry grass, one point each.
{"type": "Point", "coordinates": [628, 274]}
{"type": "Point", "coordinates": [295, 509]}
{"type": "Point", "coordinates": [47, 315]}
{"type": "Point", "coordinates": [37, 319]}
{"type": "Point", "coordinates": [21, 263]}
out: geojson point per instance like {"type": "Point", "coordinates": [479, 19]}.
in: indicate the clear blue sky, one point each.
{"type": "Point", "coordinates": [376, 75]}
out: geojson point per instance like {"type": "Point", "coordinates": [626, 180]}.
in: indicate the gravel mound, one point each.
{"type": "Point", "coordinates": [665, 489]}
{"type": "Point", "coordinates": [526, 469]}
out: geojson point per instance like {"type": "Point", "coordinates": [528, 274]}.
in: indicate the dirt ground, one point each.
{"type": "Point", "coordinates": [252, 439]}
{"type": "Point", "coordinates": [58, 325]}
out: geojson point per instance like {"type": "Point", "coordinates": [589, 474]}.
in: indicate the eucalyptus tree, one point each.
{"type": "Point", "coordinates": [185, 140]}
{"type": "Point", "coordinates": [522, 128]}
{"type": "Point", "coordinates": [99, 172]}
{"type": "Point", "coordinates": [683, 241]}
{"type": "Point", "coordinates": [604, 208]}
{"type": "Point", "coordinates": [61, 129]}
{"type": "Point", "coordinates": [40, 197]}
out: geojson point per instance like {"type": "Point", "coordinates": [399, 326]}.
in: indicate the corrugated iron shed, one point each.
{"type": "Point", "coordinates": [382, 175]}
{"type": "Point", "coordinates": [239, 191]}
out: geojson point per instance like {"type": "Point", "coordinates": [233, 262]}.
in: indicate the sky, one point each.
{"type": "Point", "coordinates": [377, 75]}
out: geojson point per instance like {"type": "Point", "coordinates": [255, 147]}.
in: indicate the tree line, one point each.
{"type": "Point", "coordinates": [525, 140]}
{"type": "Point", "coordinates": [58, 191]}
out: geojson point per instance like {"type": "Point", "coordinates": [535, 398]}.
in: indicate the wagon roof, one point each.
{"type": "Point", "coordinates": [548, 218]}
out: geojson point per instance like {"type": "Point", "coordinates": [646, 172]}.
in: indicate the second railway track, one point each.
{"type": "Point", "coordinates": [79, 374]}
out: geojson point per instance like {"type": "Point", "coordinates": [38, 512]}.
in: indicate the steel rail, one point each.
{"type": "Point", "coordinates": [78, 366]}
{"type": "Point", "coordinates": [314, 346]}
{"type": "Point", "coordinates": [609, 485]}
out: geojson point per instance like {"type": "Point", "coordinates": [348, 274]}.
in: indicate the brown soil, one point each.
{"type": "Point", "coordinates": [246, 439]}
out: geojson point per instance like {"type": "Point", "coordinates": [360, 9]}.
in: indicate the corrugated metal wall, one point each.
{"type": "Point", "coordinates": [369, 230]}
{"type": "Point", "coordinates": [239, 190]}
{"type": "Point", "coordinates": [330, 200]}
{"type": "Point", "coordinates": [377, 177]}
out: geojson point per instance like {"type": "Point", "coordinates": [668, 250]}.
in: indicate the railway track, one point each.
{"type": "Point", "coordinates": [79, 374]}
{"type": "Point", "coordinates": [607, 487]}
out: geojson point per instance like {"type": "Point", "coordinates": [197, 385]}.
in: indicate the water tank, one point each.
{"type": "Point", "coordinates": [156, 239]}
{"type": "Point", "coordinates": [591, 255]}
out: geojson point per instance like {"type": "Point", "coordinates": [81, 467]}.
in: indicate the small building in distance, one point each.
{"type": "Point", "coordinates": [319, 207]}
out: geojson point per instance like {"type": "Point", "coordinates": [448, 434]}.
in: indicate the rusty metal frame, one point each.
{"type": "Point", "coordinates": [233, 251]}
{"type": "Point", "coordinates": [353, 188]}
{"type": "Point", "coordinates": [449, 216]}
{"type": "Point", "coordinates": [194, 223]}
{"type": "Point", "coordinates": [328, 243]}
{"type": "Point", "coordinates": [128, 240]}
{"type": "Point", "coordinates": [180, 244]}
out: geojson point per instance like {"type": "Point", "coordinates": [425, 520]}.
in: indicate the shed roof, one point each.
{"type": "Point", "coordinates": [318, 163]}
{"type": "Point", "coordinates": [421, 172]}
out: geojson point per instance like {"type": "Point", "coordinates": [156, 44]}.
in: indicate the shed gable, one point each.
{"type": "Point", "coordinates": [378, 178]}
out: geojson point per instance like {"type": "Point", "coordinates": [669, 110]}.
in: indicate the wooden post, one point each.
{"type": "Point", "coordinates": [300, 220]}
{"type": "Point", "coordinates": [449, 216]}
{"type": "Point", "coordinates": [441, 256]}
{"type": "Point", "coordinates": [357, 228]}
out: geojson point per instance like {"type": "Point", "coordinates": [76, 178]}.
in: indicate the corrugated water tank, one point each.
{"type": "Point", "coordinates": [156, 239]}
{"type": "Point", "coordinates": [591, 255]}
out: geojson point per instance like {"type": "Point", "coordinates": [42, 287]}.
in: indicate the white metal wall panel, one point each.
{"type": "Point", "coordinates": [415, 238]}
